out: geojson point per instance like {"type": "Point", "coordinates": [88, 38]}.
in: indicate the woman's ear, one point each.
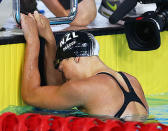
{"type": "Point", "coordinates": [76, 59]}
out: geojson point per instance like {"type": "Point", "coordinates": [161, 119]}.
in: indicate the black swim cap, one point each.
{"type": "Point", "coordinates": [76, 44]}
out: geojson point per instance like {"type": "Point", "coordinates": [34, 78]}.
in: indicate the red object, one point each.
{"type": "Point", "coordinates": [29, 122]}
{"type": "Point", "coordinates": [133, 126]}
{"type": "Point", "coordinates": [37, 122]}
{"type": "Point", "coordinates": [139, 18]}
{"type": "Point", "coordinates": [113, 125]}
{"type": "Point", "coordinates": [51, 123]}
{"type": "Point", "coordinates": [8, 122]}
{"type": "Point", "coordinates": [155, 127]}
{"type": "Point", "coordinates": [86, 124]}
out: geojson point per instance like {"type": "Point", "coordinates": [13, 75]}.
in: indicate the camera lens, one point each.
{"type": "Point", "coordinates": [144, 33]}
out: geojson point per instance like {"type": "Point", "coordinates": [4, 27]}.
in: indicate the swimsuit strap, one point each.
{"type": "Point", "coordinates": [128, 96]}
{"type": "Point", "coordinates": [106, 73]}
{"type": "Point", "coordinates": [130, 88]}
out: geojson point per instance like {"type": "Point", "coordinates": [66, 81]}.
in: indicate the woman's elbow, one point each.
{"type": "Point", "coordinates": [28, 96]}
{"type": "Point", "coordinates": [25, 96]}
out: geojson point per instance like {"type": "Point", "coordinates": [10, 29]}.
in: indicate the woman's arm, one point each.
{"type": "Point", "coordinates": [51, 97]}
{"type": "Point", "coordinates": [30, 75]}
{"type": "Point", "coordinates": [53, 76]}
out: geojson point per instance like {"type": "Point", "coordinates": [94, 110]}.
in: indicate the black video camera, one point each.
{"type": "Point", "coordinates": [143, 32]}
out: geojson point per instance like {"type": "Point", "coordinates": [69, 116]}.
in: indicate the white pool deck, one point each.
{"type": "Point", "coordinates": [99, 22]}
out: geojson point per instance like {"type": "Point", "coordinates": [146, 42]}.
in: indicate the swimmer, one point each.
{"type": "Point", "coordinates": [90, 85]}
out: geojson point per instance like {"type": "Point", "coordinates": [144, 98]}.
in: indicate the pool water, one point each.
{"type": "Point", "coordinates": [158, 109]}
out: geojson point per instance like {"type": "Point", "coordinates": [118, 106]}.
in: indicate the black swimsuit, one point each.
{"type": "Point", "coordinates": [128, 96]}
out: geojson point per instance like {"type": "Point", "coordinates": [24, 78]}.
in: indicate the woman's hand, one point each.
{"type": "Point", "coordinates": [29, 27]}
{"type": "Point", "coordinates": [44, 28]}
